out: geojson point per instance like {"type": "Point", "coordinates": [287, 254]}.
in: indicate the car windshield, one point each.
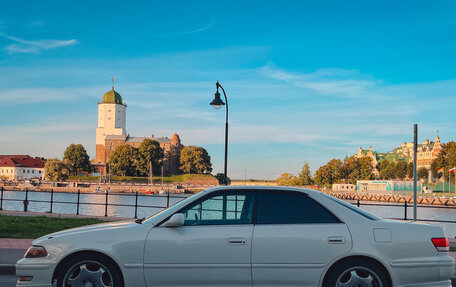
{"type": "Point", "coordinates": [353, 208]}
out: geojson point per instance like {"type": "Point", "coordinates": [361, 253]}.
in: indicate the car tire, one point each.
{"type": "Point", "coordinates": [358, 272]}
{"type": "Point", "coordinates": [89, 267]}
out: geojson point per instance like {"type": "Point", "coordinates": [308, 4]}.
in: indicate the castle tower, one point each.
{"type": "Point", "coordinates": [111, 121]}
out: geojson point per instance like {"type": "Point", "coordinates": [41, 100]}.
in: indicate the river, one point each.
{"type": "Point", "coordinates": [153, 203]}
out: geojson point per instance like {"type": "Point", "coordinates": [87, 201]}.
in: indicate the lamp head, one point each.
{"type": "Point", "coordinates": [217, 103]}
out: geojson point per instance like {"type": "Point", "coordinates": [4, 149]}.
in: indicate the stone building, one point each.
{"type": "Point", "coordinates": [111, 132]}
{"type": "Point", "coordinates": [21, 167]}
{"type": "Point", "coordinates": [427, 151]}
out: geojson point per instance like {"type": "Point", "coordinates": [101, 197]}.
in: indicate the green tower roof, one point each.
{"type": "Point", "coordinates": [112, 97]}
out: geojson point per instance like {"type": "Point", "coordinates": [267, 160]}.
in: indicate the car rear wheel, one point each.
{"type": "Point", "coordinates": [89, 270]}
{"type": "Point", "coordinates": [359, 273]}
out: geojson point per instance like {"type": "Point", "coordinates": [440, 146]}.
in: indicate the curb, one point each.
{"type": "Point", "coordinates": [7, 269]}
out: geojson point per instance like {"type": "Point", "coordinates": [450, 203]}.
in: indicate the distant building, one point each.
{"type": "Point", "coordinates": [111, 132]}
{"type": "Point", "coordinates": [427, 152]}
{"type": "Point", "coordinates": [386, 186]}
{"type": "Point", "coordinates": [343, 187]}
{"type": "Point", "coordinates": [21, 167]}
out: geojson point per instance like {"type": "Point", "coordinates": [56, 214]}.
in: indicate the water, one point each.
{"type": "Point", "coordinates": [65, 203]}
{"type": "Point", "coordinates": [151, 204]}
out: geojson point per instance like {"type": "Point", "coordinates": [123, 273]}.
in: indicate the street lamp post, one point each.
{"type": "Point", "coordinates": [217, 103]}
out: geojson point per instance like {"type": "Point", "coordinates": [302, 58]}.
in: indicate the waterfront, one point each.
{"type": "Point", "coordinates": [123, 205]}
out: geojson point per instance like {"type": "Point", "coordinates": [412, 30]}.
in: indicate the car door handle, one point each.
{"type": "Point", "coordinates": [336, 240]}
{"type": "Point", "coordinates": [237, 241]}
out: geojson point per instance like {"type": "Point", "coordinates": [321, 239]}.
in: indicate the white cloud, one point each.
{"type": "Point", "coordinates": [36, 46]}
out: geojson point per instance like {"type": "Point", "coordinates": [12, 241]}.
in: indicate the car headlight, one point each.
{"type": "Point", "coordinates": [36, 251]}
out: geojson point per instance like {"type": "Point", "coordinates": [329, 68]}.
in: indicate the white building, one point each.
{"type": "Point", "coordinates": [344, 187]}
{"type": "Point", "coordinates": [21, 167]}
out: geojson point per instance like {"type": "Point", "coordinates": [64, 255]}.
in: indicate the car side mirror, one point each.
{"type": "Point", "coordinates": [175, 220]}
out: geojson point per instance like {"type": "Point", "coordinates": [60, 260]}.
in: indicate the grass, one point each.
{"type": "Point", "coordinates": [37, 226]}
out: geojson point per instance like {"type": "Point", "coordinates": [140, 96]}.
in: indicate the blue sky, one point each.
{"type": "Point", "coordinates": [306, 80]}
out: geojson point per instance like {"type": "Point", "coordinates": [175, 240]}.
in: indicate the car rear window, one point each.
{"type": "Point", "coordinates": [291, 208]}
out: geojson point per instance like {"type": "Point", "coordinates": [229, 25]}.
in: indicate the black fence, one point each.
{"type": "Point", "coordinates": [406, 205]}
{"type": "Point", "coordinates": [26, 201]}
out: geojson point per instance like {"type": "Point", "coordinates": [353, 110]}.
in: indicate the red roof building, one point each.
{"type": "Point", "coordinates": [21, 167]}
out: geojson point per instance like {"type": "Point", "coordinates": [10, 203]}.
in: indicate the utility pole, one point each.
{"type": "Point", "coordinates": [415, 149]}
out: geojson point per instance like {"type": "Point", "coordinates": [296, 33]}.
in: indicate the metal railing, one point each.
{"type": "Point", "coordinates": [26, 201]}
{"type": "Point", "coordinates": [405, 206]}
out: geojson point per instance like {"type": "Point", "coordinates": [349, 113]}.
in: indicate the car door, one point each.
{"type": "Point", "coordinates": [211, 249]}
{"type": "Point", "coordinates": [293, 240]}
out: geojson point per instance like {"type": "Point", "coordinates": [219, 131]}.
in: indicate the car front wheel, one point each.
{"type": "Point", "coordinates": [362, 273]}
{"type": "Point", "coordinates": [89, 270]}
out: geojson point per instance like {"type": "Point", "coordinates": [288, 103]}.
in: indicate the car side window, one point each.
{"type": "Point", "coordinates": [291, 208]}
{"type": "Point", "coordinates": [221, 209]}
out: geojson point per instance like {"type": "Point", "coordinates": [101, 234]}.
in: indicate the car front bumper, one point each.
{"type": "Point", "coordinates": [40, 272]}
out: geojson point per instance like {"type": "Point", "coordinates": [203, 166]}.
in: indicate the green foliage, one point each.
{"type": "Point", "coordinates": [394, 169]}
{"type": "Point", "coordinates": [409, 170]}
{"type": "Point", "coordinates": [400, 170]}
{"type": "Point", "coordinates": [37, 226]}
{"type": "Point", "coordinates": [221, 178]}
{"type": "Point", "coordinates": [149, 151]}
{"type": "Point", "coordinates": [422, 173]}
{"type": "Point", "coordinates": [55, 170]}
{"type": "Point", "coordinates": [354, 169]}
{"type": "Point", "coordinates": [77, 159]}
{"type": "Point", "coordinates": [195, 159]}
{"type": "Point", "coordinates": [446, 159]}
{"type": "Point", "coordinates": [328, 174]}
{"type": "Point", "coordinates": [305, 176]}
{"type": "Point", "coordinates": [287, 179]}
{"type": "Point", "coordinates": [123, 160]}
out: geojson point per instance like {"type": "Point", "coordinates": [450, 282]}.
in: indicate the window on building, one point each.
{"type": "Point", "coordinates": [23, 171]}
{"type": "Point", "coordinates": [28, 171]}
{"type": "Point", "coordinates": [39, 171]}
{"type": "Point", "coordinates": [33, 171]}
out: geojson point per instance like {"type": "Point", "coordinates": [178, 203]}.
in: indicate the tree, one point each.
{"type": "Point", "coordinates": [220, 177]}
{"type": "Point", "coordinates": [194, 159]}
{"type": "Point", "coordinates": [387, 169]}
{"type": "Point", "coordinates": [400, 170]}
{"type": "Point", "coordinates": [446, 159]}
{"type": "Point", "coordinates": [76, 159]}
{"type": "Point", "coordinates": [149, 151]}
{"type": "Point", "coordinates": [305, 177]}
{"type": "Point", "coordinates": [122, 161]}
{"type": "Point", "coordinates": [410, 170]}
{"type": "Point", "coordinates": [329, 173]}
{"type": "Point", "coordinates": [353, 169]}
{"type": "Point", "coordinates": [55, 170]}
{"type": "Point", "coordinates": [287, 179]}
{"type": "Point", "coordinates": [422, 173]}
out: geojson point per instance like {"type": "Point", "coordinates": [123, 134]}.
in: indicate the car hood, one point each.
{"type": "Point", "coordinates": [89, 228]}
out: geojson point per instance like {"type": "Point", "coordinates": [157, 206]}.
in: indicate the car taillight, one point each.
{"type": "Point", "coordinates": [441, 244]}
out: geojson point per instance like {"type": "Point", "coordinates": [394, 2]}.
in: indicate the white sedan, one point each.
{"type": "Point", "coordinates": [244, 236]}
